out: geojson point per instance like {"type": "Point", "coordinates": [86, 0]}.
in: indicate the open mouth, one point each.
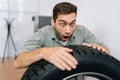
{"type": "Point", "coordinates": [66, 38]}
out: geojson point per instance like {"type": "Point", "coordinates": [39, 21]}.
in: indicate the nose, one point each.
{"type": "Point", "coordinates": [67, 29]}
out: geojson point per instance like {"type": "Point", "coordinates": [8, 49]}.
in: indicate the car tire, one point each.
{"type": "Point", "coordinates": [91, 62]}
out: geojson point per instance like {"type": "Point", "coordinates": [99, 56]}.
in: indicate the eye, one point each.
{"type": "Point", "coordinates": [62, 24]}
{"type": "Point", "coordinates": [72, 24]}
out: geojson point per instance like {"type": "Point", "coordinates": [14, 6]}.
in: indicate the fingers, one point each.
{"type": "Point", "coordinates": [68, 49]}
{"type": "Point", "coordinates": [105, 50]}
{"type": "Point", "coordinates": [60, 57]}
{"type": "Point", "coordinates": [69, 57]}
{"type": "Point", "coordinates": [69, 60]}
{"type": "Point", "coordinates": [98, 47]}
{"type": "Point", "coordinates": [86, 44]}
{"type": "Point", "coordinates": [63, 63]}
{"type": "Point", "coordinates": [57, 63]}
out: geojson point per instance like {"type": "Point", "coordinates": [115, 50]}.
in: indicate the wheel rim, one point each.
{"type": "Point", "coordinates": [88, 76]}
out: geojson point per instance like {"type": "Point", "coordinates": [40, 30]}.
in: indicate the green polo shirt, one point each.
{"type": "Point", "coordinates": [46, 37]}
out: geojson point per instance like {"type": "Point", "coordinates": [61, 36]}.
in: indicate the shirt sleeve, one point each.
{"type": "Point", "coordinates": [35, 42]}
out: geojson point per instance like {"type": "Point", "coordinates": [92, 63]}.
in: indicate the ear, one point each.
{"type": "Point", "coordinates": [52, 21]}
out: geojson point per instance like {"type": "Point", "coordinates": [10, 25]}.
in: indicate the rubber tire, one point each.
{"type": "Point", "coordinates": [89, 60]}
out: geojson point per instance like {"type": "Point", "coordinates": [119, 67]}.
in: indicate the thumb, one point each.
{"type": "Point", "coordinates": [69, 50]}
{"type": "Point", "coordinates": [87, 44]}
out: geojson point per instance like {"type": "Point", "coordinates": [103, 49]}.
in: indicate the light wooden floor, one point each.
{"type": "Point", "coordinates": [8, 71]}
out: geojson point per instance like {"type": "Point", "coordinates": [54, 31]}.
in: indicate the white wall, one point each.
{"type": "Point", "coordinates": [22, 26]}
{"type": "Point", "coordinates": [102, 17]}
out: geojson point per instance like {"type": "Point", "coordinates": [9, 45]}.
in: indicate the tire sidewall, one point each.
{"type": "Point", "coordinates": [86, 64]}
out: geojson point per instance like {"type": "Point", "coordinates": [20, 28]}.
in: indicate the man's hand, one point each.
{"type": "Point", "coordinates": [60, 57]}
{"type": "Point", "coordinates": [98, 47]}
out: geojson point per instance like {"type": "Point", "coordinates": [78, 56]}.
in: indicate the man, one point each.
{"type": "Point", "coordinates": [48, 42]}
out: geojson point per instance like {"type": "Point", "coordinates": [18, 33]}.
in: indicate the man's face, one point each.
{"type": "Point", "coordinates": [64, 26]}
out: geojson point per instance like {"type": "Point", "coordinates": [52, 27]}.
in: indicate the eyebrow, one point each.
{"type": "Point", "coordinates": [66, 21]}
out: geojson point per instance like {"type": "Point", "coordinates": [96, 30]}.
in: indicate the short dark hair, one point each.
{"type": "Point", "coordinates": [64, 8]}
